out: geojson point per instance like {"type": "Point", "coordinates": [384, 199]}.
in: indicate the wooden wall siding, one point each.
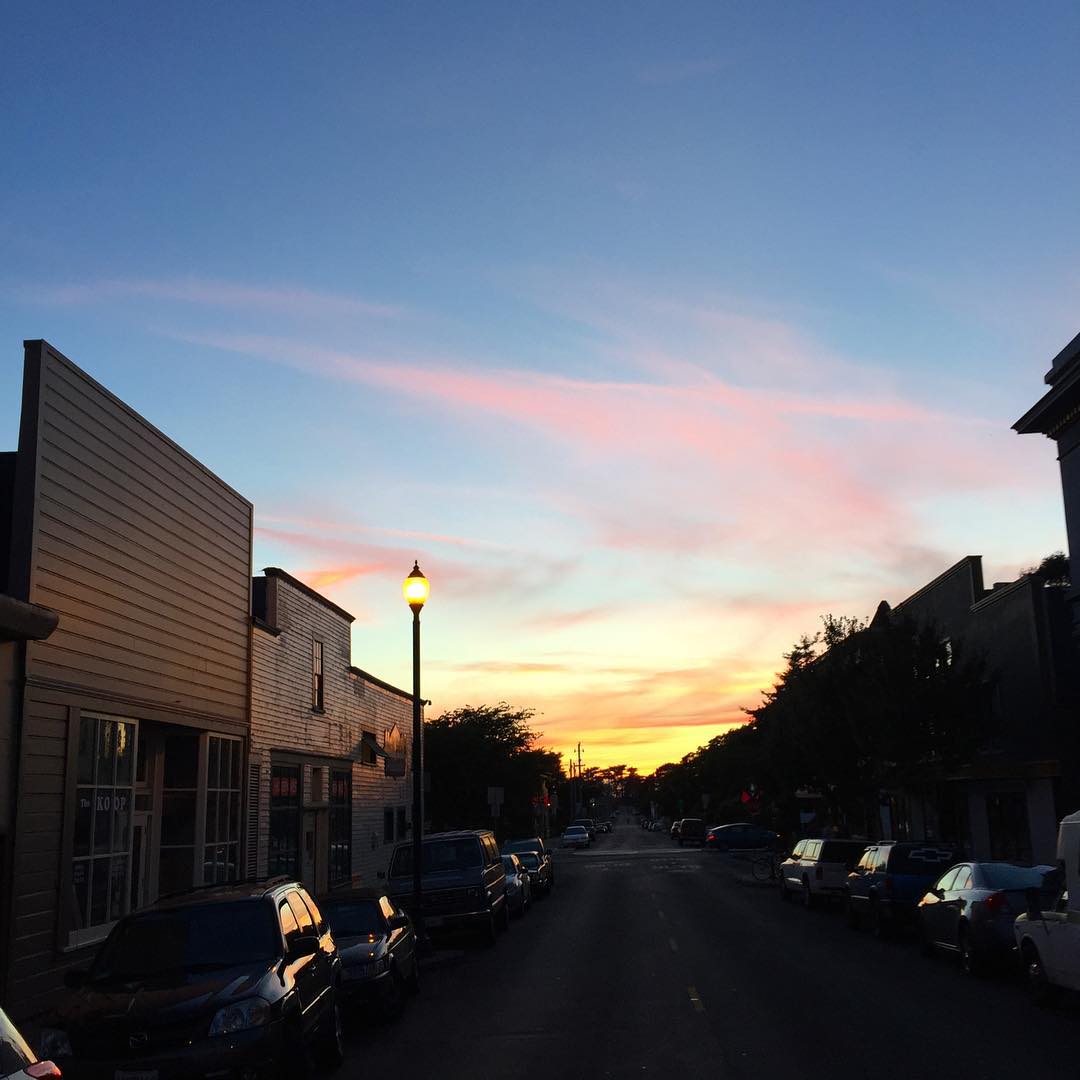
{"type": "Point", "coordinates": [282, 719]}
{"type": "Point", "coordinates": [36, 972]}
{"type": "Point", "coordinates": [143, 552]}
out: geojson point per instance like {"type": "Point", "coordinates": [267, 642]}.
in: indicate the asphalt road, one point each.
{"type": "Point", "coordinates": [651, 959]}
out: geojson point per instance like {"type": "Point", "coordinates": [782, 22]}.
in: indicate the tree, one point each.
{"type": "Point", "coordinates": [1053, 570]}
{"type": "Point", "coordinates": [476, 747]}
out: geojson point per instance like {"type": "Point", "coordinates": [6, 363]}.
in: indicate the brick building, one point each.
{"type": "Point", "coordinates": [328, 791]}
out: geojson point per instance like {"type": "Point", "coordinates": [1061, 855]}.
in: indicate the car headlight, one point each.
{"type": "Point", "coordinates": [249, 1013]}
{"type": "Point", "coordinates": [54, 1043]}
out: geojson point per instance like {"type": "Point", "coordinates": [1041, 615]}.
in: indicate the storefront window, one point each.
{"type": "Point", "coordinates": [221, 853]}
{"type": "Point", "coordinates": [340, 826]}
{"type": "Point", "coordinates": [103, 810]}
{"type": "Point", "coordinates": [179, 799]}
{"type": "Point", "coordinates": [284, 820]}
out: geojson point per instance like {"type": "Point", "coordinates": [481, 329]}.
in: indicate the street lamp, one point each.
{"type": "Point", "coordinates": [416, 590]}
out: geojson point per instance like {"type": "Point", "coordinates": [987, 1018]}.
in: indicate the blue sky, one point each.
{"type": "Point", "coordinates": [655, 330]}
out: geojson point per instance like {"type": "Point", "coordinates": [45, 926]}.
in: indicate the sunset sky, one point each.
{"type": "Point", "coordinates": [654, 331]}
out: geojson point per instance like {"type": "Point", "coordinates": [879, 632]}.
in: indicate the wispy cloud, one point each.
{"type": "Point", "coordinates": [207, 292]}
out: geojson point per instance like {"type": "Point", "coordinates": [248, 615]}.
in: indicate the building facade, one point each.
{"type": "Point", "coordinates": [329, 793]}
{"type": "Point", "coordinates": [132, 716]}
{"type": "Point", "coordinates": [1006, 801]}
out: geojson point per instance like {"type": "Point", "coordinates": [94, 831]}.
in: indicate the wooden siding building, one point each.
{"type": "Point", "coordinates": [132, 716]}
{"type": "Point", "coordinates": [328, 790]}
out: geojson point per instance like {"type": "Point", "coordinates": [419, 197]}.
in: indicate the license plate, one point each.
{"type": "Point", "coordinates": [135, 1074]}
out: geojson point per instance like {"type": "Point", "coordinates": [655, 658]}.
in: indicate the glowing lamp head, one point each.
{"type": "Point", "coordinates": [416, 588]}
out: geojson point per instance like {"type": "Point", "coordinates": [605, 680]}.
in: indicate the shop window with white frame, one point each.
{"type": "Point", "coordinates": [101, 848]}
{"type": "Point", "coordinates": [221, 850]}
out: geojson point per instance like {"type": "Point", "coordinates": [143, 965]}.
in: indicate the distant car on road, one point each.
{"type": "Point", "coordinates": [575, 836]}
{"type": "Point", "coordinates": [691, 831]}
{"type": "Point", "coordinates": [740, 836]}
{"type": "Point", "coordinates": [970, 910]}
{"type": "Point", "coordinates": [539, 868]}
{"type": "Point", "coordinates": [518, 885]}
{"type": "Point", "coordinates": [819, 868]}
{"type": "Point", "coordinates": [891, 877]}
{"type": "Point", "coordinates": [587, 824]}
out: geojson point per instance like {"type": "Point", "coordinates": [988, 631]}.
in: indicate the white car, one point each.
{"type": "Point", "coordinates": [1049, 941]}
{"type": "Point", "coordinates": [576, 836]}
{"type": "Point", "coordinates": [17, 1060]}
{"type": "Point", "coordinates": [818, 868]}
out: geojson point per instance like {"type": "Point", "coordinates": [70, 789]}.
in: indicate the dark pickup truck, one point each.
{"type": "Point", "coordinates": [463, 883]}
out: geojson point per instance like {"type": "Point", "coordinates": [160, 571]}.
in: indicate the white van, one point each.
{"type": "Point", "coordinates": [1048, 935]}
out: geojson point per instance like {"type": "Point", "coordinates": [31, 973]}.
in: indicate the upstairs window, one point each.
{"type": "Point", "coordinates": [317, 676]}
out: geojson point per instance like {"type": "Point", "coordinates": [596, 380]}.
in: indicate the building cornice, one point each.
{"type": "Point", "coordinates": [307, 590]}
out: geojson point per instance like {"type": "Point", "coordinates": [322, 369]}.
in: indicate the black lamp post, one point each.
{"type": "Point", "coordinates": [416, 590]}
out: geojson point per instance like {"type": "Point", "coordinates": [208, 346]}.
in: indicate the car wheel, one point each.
{"type": "Point", "coordinates": [330, 1047]}
{"type": "Point", "coordinates": [1040, 988]}
{"type": "Point", "coordinates": [295, 1061]}
{"type": "Point", "coordinates": [807, 896]}
{"type": "Point", "coordinates": [851, 913]}
{"type": "Point", "coordinates": [414, 977]}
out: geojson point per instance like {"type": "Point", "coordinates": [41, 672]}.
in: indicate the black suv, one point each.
{"type": "Point", "coordinates": [231, 980]}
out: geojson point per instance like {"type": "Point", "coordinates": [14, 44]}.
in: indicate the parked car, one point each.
{"type": "Point", "coordinates": [691, 831]}
{"type": "Point", "coordinates": [891, 877]}
{"type": "Point", "coordinates": [587, 824]}
{"type": "Point", "coordinates": [534, 845]}
{"type": "Point", "coordinates": [605, 826]}
{"type": "Point", "coordinates": [17, 1060]}
{"type": "Point", "coordinates": [377, 946]}
{"type": "Point", "coordinates": [226, 980]}
{"type": "Point", "coordinates": [740, 837]}
{"type": "Point", "coordinates": [819, 868]}
{"type": "Point", "coordinates": [463, 884]}
{"type": "Point", "coordinates": [540, 871]}
{"type": "Point", "coordinates": [971, 908]}
{"type": "Point", "coordinates": [673, 832]}
{"type": "Point", "coordinates": [518, 885]}
{"type": "Point", "coordinates": [1048, 935]}
{"type": "Point", "coordinates": [575, 836]}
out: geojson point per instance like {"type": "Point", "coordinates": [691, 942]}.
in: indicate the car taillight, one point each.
{"type": "Point", "coordinates": [44, 1070]}
{"type": "Point", "coordinates": [995, 903]}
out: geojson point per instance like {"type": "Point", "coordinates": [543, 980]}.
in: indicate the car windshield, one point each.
{"type": "Point", "coordinates": [14, 1053]}
{"type": "Point", "coordinates": [530, 859]}
{"type": "Point", "coordinates": [354, 918]}
{"type": "Point", "coordinates": [508, 864]}
{"type": "Point", "coordinates": [1007, 876]}
{"type": "Point", "coordinates": [440, 856]}
{"type": "Point", "coordinates": [200, 938]}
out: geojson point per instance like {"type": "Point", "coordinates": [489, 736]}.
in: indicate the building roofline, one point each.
{"type": "Point", "coordinates": [383, 684]}
{"type": "Point", "coordinates": [1061, 403]}
{"type": "Point", "coordinates": [307, 590]}
{"type": "Point", "coordinates": [973, 562]}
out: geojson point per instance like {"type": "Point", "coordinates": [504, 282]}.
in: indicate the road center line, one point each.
{"type": "Point", "coordinates": [699, 1005]}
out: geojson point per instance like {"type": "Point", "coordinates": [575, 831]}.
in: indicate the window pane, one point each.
{"type": "Point", "coordinates": [121, 820]}
{"type": "Point", "coordinates": [87, 735]}
{"type": "Point", "coordinates": [234, 815]}
{"type": "Point", "coordinates": [214, 763]}
{"type": "Point", "coordinates": [106, 752]}
{"type": "Point", "coordinates": [211, 817]}
{"type": "Point", "coordinates": [84, 812]}
{"type": "Point", "coordinates": [99, 890]}
{"type": "Point", "coordinates": [181, 761]}
{"type": "Point", "coordinates": [125, 753]}
{"type": "Point", "coordinates": [234, 775]}
{"type": "Point", "coordinates": [175, 870]}
{"type": "Point", "coordinates": [80, 881]}
{"type": "Point", "coordinates": [118, 868]}
{"type": "Point", "coordinates": [103, 803]}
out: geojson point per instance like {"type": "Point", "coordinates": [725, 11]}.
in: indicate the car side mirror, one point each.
{"type": "Point", "coordinates": [1033, 902]}
{"type": "Point", "coordinates": [398, 922]}
{"type": "Point", "coordinates": [76, 978]}
{"type": "Point", "coordinates": [939, 893]}
{"type": "Point", "coordinates": [303, 946]}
